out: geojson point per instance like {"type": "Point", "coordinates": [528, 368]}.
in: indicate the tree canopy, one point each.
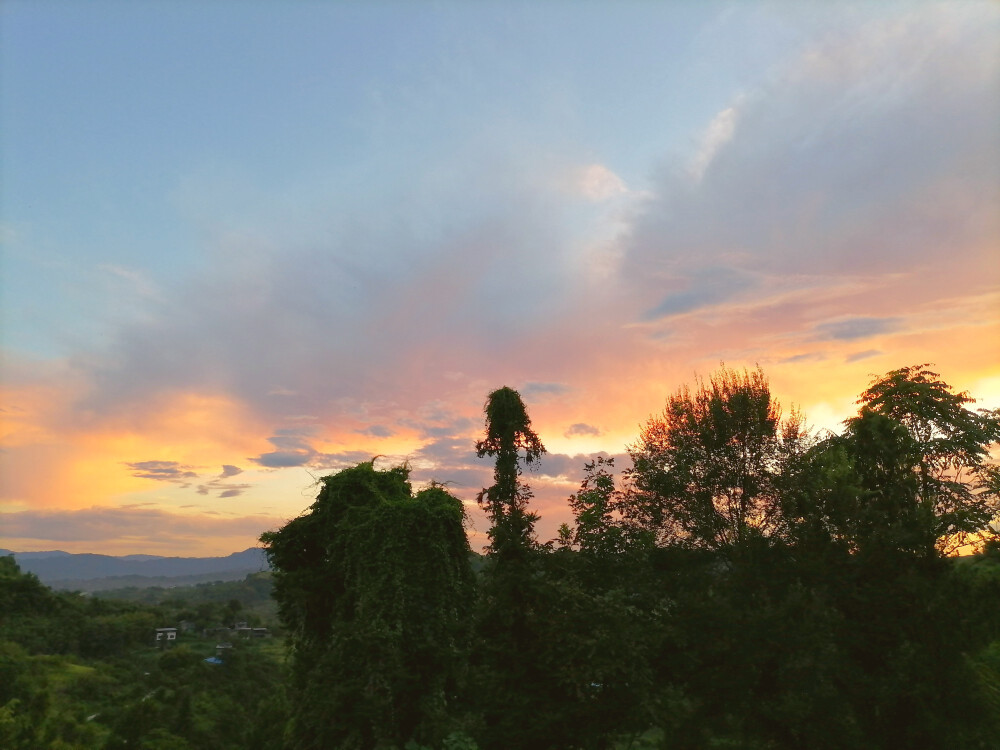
{"type": "Point", "coordinates": [704, 470]}
{"type": "Point", "coordinates": [956, 481]}
{"type": "Point", "coordinates": [375, 587]}
{"type": "Point", "coordinates": [745, 584]}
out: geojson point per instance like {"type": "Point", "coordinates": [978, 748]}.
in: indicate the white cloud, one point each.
{"type": "Point", "coordinates": [870, 152]}
{"type": "Point", "coordinates": [595, 182]}
{"type": "Point", "coordinates": [718, 133]}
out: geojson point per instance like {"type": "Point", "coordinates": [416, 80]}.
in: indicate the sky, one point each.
{"type": "Point", "coordinates": [247, 244]}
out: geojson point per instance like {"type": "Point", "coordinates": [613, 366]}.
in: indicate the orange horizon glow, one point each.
{"type": "Point", "coordinates": [199, 331]}
{"type": "Point", "coordinates": [88, 468]}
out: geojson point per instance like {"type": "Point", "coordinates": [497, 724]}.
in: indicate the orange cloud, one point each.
{"type": "Point", "coordinates": [50, 465]}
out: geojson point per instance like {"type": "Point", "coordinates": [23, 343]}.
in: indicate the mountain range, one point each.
{"type": "Point", "coordinates": [90, 572]}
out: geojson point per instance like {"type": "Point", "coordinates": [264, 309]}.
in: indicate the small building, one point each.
{"type": "Point", "coordinates": [248, 632]}
{"type": "Point", "coordinates": [165, 636]}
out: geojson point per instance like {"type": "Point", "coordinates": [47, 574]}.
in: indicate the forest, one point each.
{"type": "Point", "coordinates": [745, 582]}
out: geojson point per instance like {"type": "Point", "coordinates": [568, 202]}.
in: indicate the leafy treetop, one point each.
{"type": "Point", "coordinates": [957, 481]}
{"type": "Point", "coordinates": [508, 437]}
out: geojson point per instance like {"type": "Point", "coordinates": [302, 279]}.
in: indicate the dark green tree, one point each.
{"type": "Point", "coordinates": [514, 687]}
{"type": "Point", "coordinates": [857, 492]}
{"type": "Point", "coordinates": [911, 471]}
{"type": "Point", "coordinates": [870, 514]}
{"type": "Point", "coordinates": [558, 661]}
{"type": "Point", "coordinates": [510, 440]}
{"type": "Point", "coordinates": [602, 626]}
{"type": "Point", "coordinates": [374, 587]}
{"type": "Point", "coordinates": [955, 476]}
{"type": "Point", "coordinates": [600, 531]}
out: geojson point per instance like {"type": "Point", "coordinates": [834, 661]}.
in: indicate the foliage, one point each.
{"type": "Point", "coordinates": [744, 586]}
{"type": "Point", "coordinates": [374, 587]}
{"type": "Point", "coordinates": [512, 596]}
{"type": "Point", "coordinates": [956, 480]}
{"type": "Point", "coordinates": [181, 701]}
{"type": "Point", "coordinates": [820, 613]}
{"type": "Point", "coordinates": [508, 435]}
{"type": "Point", "coordinates": [599, 528]}
{"type": "Point", "coordinates": [82, 672]}
{"type": "Point", "coordinates": [704, 471]}
{"type": "Point", "coordinates": [559, 660]}
{"type": "Point", "coordinates": [43, 621]}
{"type": "Point", "coordinates": [210, 606]}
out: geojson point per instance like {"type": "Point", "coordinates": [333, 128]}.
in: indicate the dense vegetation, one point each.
{"type": "Point", "coordinates": [85, 672]}
{"type": "Point", "coordinates": [745, 584]}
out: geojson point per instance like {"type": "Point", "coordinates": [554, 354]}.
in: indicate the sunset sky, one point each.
{"type": "Point", "coordinates": [245, 244]}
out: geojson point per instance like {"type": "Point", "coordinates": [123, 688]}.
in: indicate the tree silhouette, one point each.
{"type": "Point", "coordinates": [956, 480]}
{"type": "Point", "coordinates": [508, 437]}
{"type": "Point", "coordinates": [704, 471]}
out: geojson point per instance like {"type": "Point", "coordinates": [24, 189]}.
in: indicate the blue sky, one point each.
{"type": "Point", "coordinates": [277, 237]}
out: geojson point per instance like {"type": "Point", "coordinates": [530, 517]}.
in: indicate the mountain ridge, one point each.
{"type": "Point", "coordinates": [90, 571]}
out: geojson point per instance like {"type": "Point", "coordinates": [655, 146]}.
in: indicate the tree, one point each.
{"type": "Point", "coordinates": [508, 434]}
{"type": "Point", "coordinates": [871, 513]}
{"type": "Point", "coordinates": [602, 630]}
{"type": "Point", "coordinates": [956, 482]}
{"type": "Point", "coordinates": [704, 471]}
{"type": "Point", "coordinates": [375, 589]}
{"type": "Point", "coordinates": [514, 687]}
{"type": "Point", "coordinates": [856, 492]}
{"type": "Point", "coordinates": [599, 529]}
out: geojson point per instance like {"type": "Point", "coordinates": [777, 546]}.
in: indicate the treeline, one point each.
{"type": "Point", "coordinates": [746, 584]}
{"type": "Point", "coordinates": [205, 605]}
{"type": "Point", "coordinates": [84, 672]}
{"type": "Point", "coordinates": [42, 621]}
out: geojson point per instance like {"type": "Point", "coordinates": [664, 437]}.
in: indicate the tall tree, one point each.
{"type": "Point", "coordinates": [375, 588]}
{"type": "Point", "coordinates": [510, 439]}
{"type": "Point", "coordinates": [603, 629]}
{"type": "Point", "coordinates": [857, 492]}
{"type": "Point", "coordinates": [872, 513]}
{"type": "Point", "coordinates": [704, 470]}
{"type": "Point", "coordinates": [956, 479]}
{"type": "Point", "coordinates": [514, 685]}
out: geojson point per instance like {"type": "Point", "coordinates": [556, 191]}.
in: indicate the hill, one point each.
{"type": "Point", "coordinates": [92, 572]}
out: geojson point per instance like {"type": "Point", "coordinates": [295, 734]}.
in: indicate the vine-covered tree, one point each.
{"type": "Point", "coordinates": [514, 685]}
{"type": "Point", "coordinates": [374, 586]}
{"type": "Point", "coordinates": [510, 439]}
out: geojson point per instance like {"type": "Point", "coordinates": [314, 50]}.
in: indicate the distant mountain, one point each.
{"type": "Point", "coordinates": [35, 555]}
{"type": "Point", "coordinates": [88, 572]}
